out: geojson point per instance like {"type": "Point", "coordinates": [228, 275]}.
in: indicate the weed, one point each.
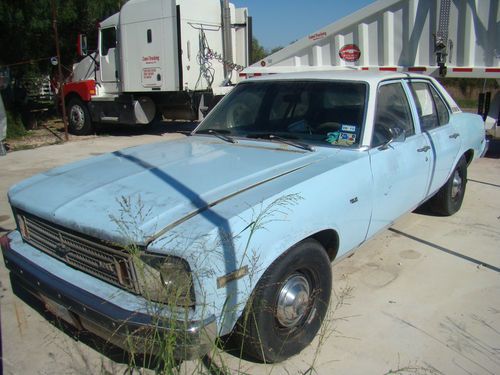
{"type": "Point", "coordinates": [15, 127]}
{"type": "Point", "coordinates": [414, 369]}
{"type": "Point", "coordinates": [166, 282]}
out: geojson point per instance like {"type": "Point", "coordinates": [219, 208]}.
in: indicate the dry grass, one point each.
{"type": "Point", "coordinates": [44, 133]}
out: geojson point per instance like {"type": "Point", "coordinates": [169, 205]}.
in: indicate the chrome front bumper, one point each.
{"type": "Point", "coordinates": [132, 331]}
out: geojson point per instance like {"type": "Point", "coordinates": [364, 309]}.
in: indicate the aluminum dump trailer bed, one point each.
{"type": "Point", "coordinates": [456, 38]}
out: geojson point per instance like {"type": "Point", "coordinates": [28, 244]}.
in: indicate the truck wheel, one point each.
{"type": "Point", "coordinates": [79, 122]}
{"type": "Point", "coordinates": [449, 198]}
{"type": "Point", "coordinates": [288, 305]}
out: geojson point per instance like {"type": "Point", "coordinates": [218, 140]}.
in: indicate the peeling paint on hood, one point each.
{"type": "Point", "coordinates": [150, 188]}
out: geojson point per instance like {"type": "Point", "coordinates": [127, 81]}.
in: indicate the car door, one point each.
{"type": "Point", "coordinates": [400, 169]}
{"type": "Point", "coordinates": [444, 138]}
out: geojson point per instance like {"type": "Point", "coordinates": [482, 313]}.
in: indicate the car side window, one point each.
{"type": "Point", "coordinates": [392, 111]}
{"type": "Point", "coordinates": [432, 111]}
{"type": "Point", "coordinates": [442, 109]}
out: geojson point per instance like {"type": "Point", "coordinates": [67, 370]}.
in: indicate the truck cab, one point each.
{"type": "Point", "coordinates": [168, 58]}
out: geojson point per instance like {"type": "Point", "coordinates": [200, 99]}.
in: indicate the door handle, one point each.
{"type": "Point", "coordinates": [455, 135]}
{"type": "Point", "coordinates": [424, 149]}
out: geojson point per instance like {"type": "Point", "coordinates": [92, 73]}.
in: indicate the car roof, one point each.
{"type": "Point", "coordinates": [341, 75]}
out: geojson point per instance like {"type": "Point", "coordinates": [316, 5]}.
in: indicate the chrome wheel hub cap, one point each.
{"type": "Point", "coordinates": [456, 186]}
{"type": "Point", "coordinates": [293, 301]}
{"type": "Point", "coordinates": [77, 117]}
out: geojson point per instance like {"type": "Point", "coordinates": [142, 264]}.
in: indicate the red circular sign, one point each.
{"type": "Point", "coordinates": [350, 53]}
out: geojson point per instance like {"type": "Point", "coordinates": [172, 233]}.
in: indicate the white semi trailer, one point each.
{"type": "Point", "coordinates": [452, 38]}
{"type": "Point", "coordinates": [158, 57]}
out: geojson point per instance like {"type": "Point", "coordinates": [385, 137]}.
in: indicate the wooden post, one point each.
{"type": "Point", "coordinates": [60, 78]}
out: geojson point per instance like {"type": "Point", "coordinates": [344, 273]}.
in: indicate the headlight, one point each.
{"type": "Point", "coordinates": [165, 279]}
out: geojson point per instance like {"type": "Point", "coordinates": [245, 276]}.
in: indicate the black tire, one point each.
{"type": "Point", "coordinates": [449, 198]}
{"type": "Point", "coordinates": [79, 121]}
{"type": "Point", "coordinates": [265, 332]}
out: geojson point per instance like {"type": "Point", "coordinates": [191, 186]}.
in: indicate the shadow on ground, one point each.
{"type": "Point", "coordinates": [494, 150]}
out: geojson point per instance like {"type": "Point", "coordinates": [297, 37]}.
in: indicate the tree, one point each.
{"type": "Point", "coordinates": [275, 49]}
{"type": "Point", "coordinates": [27, 34]}
{"type": "Point", "coordinates": [258, 52]}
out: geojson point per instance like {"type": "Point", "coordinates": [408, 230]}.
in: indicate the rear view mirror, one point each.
{"type": "Point", "coordinates": [82, 48]}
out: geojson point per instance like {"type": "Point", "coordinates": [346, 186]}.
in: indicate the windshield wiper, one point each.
{"type": "Point", "coordinates": [218, 134]}
{"type": "Point", "coordinates": [287, 140]}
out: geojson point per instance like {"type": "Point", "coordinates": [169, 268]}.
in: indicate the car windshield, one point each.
{"type": "Point", "coordinates": [319, 112]}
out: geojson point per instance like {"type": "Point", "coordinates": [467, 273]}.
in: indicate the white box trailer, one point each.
{"type": "Point", "coordinates": [452, 38]}
{"type": "Point", "coordinates": [158, 57]}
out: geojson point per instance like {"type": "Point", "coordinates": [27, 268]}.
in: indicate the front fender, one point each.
{"type": "Point", "coordinates": [230, 245]}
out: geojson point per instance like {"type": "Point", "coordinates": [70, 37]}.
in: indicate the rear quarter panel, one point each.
{"type": "Point", "coordinates": [470, 126]}
{"type": "Point", "coordinates": [472, 133]}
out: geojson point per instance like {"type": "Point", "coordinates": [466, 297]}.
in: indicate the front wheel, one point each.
{"type": "Point", "coordinates": [288, 305]}
{"type": "Point", "coordinates": [79, 121]}
{"type": "Point", "coordinates": [449, 198]}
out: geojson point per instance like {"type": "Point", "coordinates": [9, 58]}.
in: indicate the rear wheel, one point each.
{"type": "Point", "coordinates": [449, 198]}
{"type": "Point", "coordinates": [79, 121]}
{"type": "Point", "coordinates": [288, 305]}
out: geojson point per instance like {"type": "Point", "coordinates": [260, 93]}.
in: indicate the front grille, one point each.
{"type": "Point", "coordinates": [95, 257]}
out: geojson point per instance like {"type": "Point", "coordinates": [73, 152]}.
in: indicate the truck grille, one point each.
{"type": "Point", "coordinates": [95, 257]}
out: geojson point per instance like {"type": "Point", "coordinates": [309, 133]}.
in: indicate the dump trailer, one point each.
{"type": "Point", "coordinates": [441, 38]}
{"type": "Point", "coordinates": [158, 57]}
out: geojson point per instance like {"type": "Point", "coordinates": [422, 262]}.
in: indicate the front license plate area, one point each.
{"type": "Point", "coordinates": [60, 312]}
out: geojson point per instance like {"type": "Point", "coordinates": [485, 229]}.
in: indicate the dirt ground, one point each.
{"type": "Point", "coordinates": [46, 133]}
{"type": "Point", "coordinates": [50, 131]}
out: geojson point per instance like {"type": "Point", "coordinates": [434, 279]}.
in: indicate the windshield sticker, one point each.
{"type": "Point", "coordinates": [346, 139]}
{"type": "Point", "coordinates": [349, 128]}
{"type": "Point", "coordinates": [332, 137]}
{"type": "Point", "coordinates": [341, 138]}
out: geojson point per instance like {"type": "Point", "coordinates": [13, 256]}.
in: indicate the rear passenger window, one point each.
{"type": "Point", "coordinates": [442, 109]}
{"type": "Point", "coordinates": [425, 105]}
{"type": "Point", "coordinates": [392, 111]}
{"type": "Point", "coordinates": [432, 111]}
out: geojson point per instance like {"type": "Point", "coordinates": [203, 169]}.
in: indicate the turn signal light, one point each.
{"type": "Point", "coordinates": [5, 243]}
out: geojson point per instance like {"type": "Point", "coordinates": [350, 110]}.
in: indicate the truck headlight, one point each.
{"type": "Point", "coordinates": [165, 279]}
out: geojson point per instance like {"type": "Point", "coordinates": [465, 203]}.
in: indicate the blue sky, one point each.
{"type": "Point", "coordinates": [280, 22]}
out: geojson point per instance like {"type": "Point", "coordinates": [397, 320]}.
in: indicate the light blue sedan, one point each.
{"type": "Point", "coordinates": [231, 230]}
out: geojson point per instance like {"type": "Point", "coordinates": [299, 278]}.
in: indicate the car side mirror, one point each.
{"type": "Point", "coordinates": [398, 134]}
{"type": "Point", "coordinates": [394, 134]}
{"type": "Point", "coordinates": [81, 47]}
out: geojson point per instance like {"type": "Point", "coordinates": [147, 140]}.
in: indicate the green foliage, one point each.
{"type": "Point", "coordinates": [15, 127]}
{"type": "Point", "coordinates": [36, 41]}
{"type": "Point", "coordinates": [467, 103]}
{"type": "Point", "coordinates": [466, 91]}
{"type": "Point", "coordinates": [258, 52]}
{"type": "Point", "coordinates": [275, 49]}
{"type": "Point", "coordinates": [466, 85]}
